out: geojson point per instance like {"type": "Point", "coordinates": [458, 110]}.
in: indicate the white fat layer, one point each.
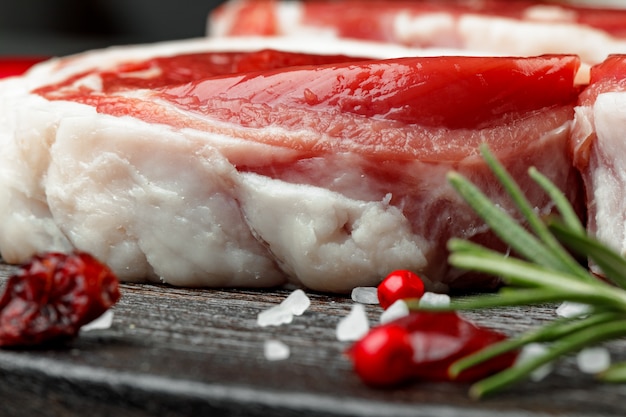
{"type": "Point", "coordinates": [227, 17]}
{"type": "Point", "coordinates": [608, 176]}
{"type": "Point", "coordinates": [27, 129]}
{"type": "Point", "coordinates": [324, 240]}
{"type": "Point", "coordinates": [151, 202]}
{"type": "Point", "coordinates": [290, 22]}
{"type": "Point", "coordinates": [616, 4]}
{"type": "Point", "coordinates": [583, 129]}
{"type": "Point", "coordinates": [528, 38]}
{"type": "Point", "coordinates": [422, 29]}
{"type": "Point", "coordinates": [550, 14]}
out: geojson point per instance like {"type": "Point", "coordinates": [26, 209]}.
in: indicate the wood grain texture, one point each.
{"type": "Point", "coordinates": [190, 352]}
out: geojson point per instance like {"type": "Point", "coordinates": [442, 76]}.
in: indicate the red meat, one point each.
{"type": "Point", "coordinates": [330, 174]}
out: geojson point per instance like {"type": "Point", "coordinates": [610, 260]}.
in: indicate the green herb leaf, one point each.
{"type": "Point", "coordinates": [611, 263]}
{"type": "Point", "coordinates": [568, 214]}
{"type": "Point", "coordinates": [616, 373]}
{"type": "Point", "coordinates": [547, 333]}
{"type": "Point", "coordinates": [545, 271]}
{"type": "Point", "coordinates": [501, 223]}
{"type": "Point", "coordinates": [561, 346]}
{"type": "Point", "coordinates": [527, 211]}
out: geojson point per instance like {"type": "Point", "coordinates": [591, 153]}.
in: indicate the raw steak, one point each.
{"type": "Point", "coordinates": [599, 149]}
{"type": "Point", "coordinates": [496, 27]}
{"type": "Point", "coordinates": [326, 175]}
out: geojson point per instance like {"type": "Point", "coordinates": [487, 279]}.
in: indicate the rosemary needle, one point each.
{"type": "Point", "coordinates": [546, 271]}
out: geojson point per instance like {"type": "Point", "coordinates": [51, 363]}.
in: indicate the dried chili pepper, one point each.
{"type": "Point", "coordinates": [52, 296]}
{"type": "Point", "coordinates": [423, 345]}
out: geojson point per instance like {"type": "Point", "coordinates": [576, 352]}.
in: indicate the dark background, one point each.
{"type": "Point", "coordinates": [62, 27]}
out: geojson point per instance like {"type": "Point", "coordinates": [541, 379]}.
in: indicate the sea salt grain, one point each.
{"type": "Point", "coordinates": [354, 326]}
{"type": "Point", "coordinates": [365, 295]}
{"type": "Point", "coordinates": [275, 350]}
{"type": "Point", "coordinates": [431, 299]}
{"type": "Point", "coordinates": [569, 309]}
{"type": "Point", "coordinates": [294, 305]}
{"type": "Point", "coordinates": [530, 352]}
{"type": "Point", "coordinates": [102, 322]}
{"type": "Point", "coordinates": [593, 360]}
{"type": "Point", "coordinates": [395, 311]}
{"type": "Point", "coordinates": [274, 316]}
{"type": "Point", "coordinates": [297, 302]}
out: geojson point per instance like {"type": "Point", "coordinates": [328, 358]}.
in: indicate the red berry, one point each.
{"type": "Point", "coordinates": [52, 296]}
{"type": "Point", "coordinates": [423, 345]}
{"type": "Point", "coordinates": [441, 338]}
{"type": "Point", "coordinates": [399, 285]}
{"type": "Point", "coordinates": [383, 356]}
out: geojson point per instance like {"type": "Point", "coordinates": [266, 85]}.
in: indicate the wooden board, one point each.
{"type": "Point", "coordinates": [197, 352]}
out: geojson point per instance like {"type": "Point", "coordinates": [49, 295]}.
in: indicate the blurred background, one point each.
{"type": "Point", "coordinates": [62, 27]}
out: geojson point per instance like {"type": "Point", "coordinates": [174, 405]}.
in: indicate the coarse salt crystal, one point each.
{"type": "Point", "coordinates": [531, 351]}
{"type": "Point", "coordinates": [395, 311]}
{"type": "Point", "coordinates": [297, 302]}
{"type": "Point", "coordinates": [275, 350]}
{"type": "Point", "coordinates": [570, 309]}
{"type": "Point", "coordinates": [354, 326]}
{"type": "Point", "coordinates": [431, 299]}
{"type": "Point", "coordinates": [102, 322]}
{"type": "Point", "coordinates": [593, 360]}
{"type": "Point", "coordinates": [294, 305]}
{"type": "Point", "coordinates": [274, 316]}
{"type": "Point", "coordinates": [365, 295]}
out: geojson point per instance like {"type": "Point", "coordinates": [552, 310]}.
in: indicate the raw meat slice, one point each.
{"type": "Point", "coordinates": [599, 149]}
{"type": "Point", "coordinates": [45, 183]}
{"type": "Point", "coordinates": [497, 27]}
{"type": "Point", "coordinates": [326, 175]}
{"type": "Point", "coordinates": [11, 66]}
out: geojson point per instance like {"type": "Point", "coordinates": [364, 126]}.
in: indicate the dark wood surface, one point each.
{"type": "Point", "coordinates": [199, 352]}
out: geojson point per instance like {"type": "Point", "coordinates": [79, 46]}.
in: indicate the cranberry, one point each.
{"type": "Point", "coordinates": [382, 356]}
{"type": "Point", "coordinates": [399, 285]}
{"type": "Point", "coordinates": [52, 296]}
{"type": "Point", "coordinates": [423, 345]}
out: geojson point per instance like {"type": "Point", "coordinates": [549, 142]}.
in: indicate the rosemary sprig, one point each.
{"type": "Point", "coordinates": [545, 271]}
{"type": "Point", "coordinates": [611, 263]}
